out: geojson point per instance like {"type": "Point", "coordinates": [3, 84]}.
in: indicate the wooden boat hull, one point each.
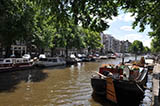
{"type": "Point", "coordinates": [98, 85]}
{"type": "Point", "coordinates": [124, 89]}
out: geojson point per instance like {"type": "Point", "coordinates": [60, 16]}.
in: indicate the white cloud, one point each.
{"type": "Point", "coordinates": [126, 28]}
{"type": "Point", "coordinates": [147, 42]}
{"type": "Point", "coordinates": [126, 17]}
{"type": "Point", "coordinates": [143, 38]}
{"type": "Point", "coordinates": [110, 21]}
{"type": "Point", "coordinates": [132, 37]}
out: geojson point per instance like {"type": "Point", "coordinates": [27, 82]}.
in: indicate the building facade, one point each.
{"type": "Point", "coordinates": [111, 44]}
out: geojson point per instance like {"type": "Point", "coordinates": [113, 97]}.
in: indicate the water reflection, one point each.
{"type": "Point", "coordinates": [10, 80]}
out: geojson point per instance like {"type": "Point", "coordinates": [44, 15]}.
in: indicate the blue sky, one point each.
{"type": "Point", "coordinates": [121, 28]}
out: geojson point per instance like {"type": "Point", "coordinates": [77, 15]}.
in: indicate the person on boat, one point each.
{"type": "Point", "coordinates": [142, 62]}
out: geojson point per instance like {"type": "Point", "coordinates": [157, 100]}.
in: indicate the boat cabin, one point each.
{"type": "Point", "coordinates": [14, 64]}
{"type": "Point", "coordinates": [50, 61]}
{"type": "Point", "coordinates": [6, 62]}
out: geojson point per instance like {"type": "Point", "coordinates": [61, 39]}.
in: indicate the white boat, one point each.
{"type": "Point", "coordinates": [149, 63]}
{"type": "Point", "coordinates": [50, 61]}
{"type": "Point", "coordinates": [8, 64]}
{"type": "Point", "coordinates": [103, 57]}
{"type": "Point", "coordinates": [112, 56]}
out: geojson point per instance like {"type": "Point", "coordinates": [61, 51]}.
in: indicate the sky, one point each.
{"type": "Point", "coordinates": [121, 28]}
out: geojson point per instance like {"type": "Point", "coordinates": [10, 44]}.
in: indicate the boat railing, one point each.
{"type": "Point", "coordinates": [142, 75]}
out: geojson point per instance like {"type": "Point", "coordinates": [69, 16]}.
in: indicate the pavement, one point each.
{"type": "Point", "coordinates": [156, 77]}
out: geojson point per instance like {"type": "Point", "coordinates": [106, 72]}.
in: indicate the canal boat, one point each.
{"type": "Point", "coordinates": [71, 60]}
{"type": "Point", "coordinates": [112, 56]}
{"type": "Point", "coordinates": [103, 57]}
{"type": "Point", "coordinates": [149, 64]}
{"type": "Point", "coordinates": [50, 62]}
{"type": "Point", "coordinates": [11, 64]}
{"type": "Point", "coordinates": [118, 83]}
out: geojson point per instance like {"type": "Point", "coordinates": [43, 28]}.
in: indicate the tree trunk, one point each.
{"type": "Point", "coordinates": [123, 58]}
{"type": "Point", "coordinates": [1, 51]}
{"type": "Point", "coordinates": [66, 51]}
{"type": "Point", "coordinates": [42, 51]}
{"type": "Point", "coordinates": [29, 47]}
{"type": "Point", "coordinates": [135, 56]}
{"type": "Point", "coordinates": [8, 51]}
{"type": "Point", "coordinates": [52, 52]}
{"type": "Point", "coordinates": [89, 49]}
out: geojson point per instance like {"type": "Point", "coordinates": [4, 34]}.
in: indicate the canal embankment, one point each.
{"type": "Point", "coordinates": [155, 89]}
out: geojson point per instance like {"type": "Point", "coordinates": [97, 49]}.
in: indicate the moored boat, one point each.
{"type": "Point", "coordinates": [112, 56]}
{"type": "Point", "coordinates": [149, 64]}
{"type": "Point", "coordinates": [103, 57]}
{"type": "Point", "coordinates": [71, 61]}
{"type": "Point", "coordinates": [118, 83]}
{"type": "Point", "coordinates": [50, 62]}
{"type": "Point", "coordinates": [10, 64]}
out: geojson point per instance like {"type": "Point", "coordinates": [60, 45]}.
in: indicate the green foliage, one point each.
{"type": "Point", "coordinates": [89, 13]}
{"type": "Point", "coordinates": [155, 45]}
{"type": "Point", "coordinates": [136, 47]}
{"type": "Point", "coordinates": [92, 39]}
{"type": "Point", "coordinates": [25, 21]}
{"type": "Point", "coordinates": [146, 49]}
{"type": "Point", "coordinates": [9, 22]}
{"type": "Point", "coordinates": [55, 23]}
{"type": "Point", "coordinates": [147, 13]}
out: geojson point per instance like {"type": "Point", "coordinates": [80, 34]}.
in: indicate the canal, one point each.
{"type": "Point", "coordinates": [58, 86]}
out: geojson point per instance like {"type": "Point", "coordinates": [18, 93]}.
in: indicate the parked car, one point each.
{"type": "Point", "coordinates": [42, 56]}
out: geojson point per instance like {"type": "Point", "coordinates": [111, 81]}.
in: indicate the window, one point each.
{"type": "Point", "coordinates": [8, 61]}
{"type": "Point", "coordinates": [15, 48]}
{"type": "Point", "coordinates": [17, 61]}
{"type": "Point", "coordinates": [42, 59]}
{"type": "Point", "coordinates": [54, 60]}
{"type": "Point", "coordinates": [49, 60]}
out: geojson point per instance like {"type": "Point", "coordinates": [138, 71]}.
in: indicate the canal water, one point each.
{"type": "Point", "coordinates": [58, 86]}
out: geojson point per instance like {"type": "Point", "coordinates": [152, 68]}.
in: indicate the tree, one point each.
{"type": "Point", "coordinates": [89, 13]}
{"type": "Point", "coordinates": [146, 13]}
{"type": "Point", "coordinates": [25, 21]}
{"type": "Point", "coordinates": [92, 39]}
{"type": "Point", "coordinates": [147, 49]}
{"type": "Point", "coordinates": [155, 47]}
{"type": "Point", "coordinates": [70, 13]}
{"type": "Point", "coordinates": [40, 21]}
{"type": "Point", "coordinates": [9, 24]}
{"type": "Point", "coordinates": [136, 48]}
{"type": "Point", "coordinates": [16, 22]}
